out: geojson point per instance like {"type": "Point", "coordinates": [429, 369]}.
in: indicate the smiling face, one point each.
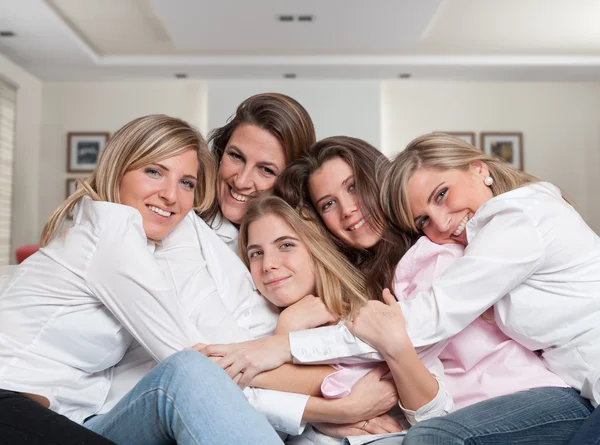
{"type": "Point", "coordinates": [250, 165]}
{"type": "Point", "coordinates": [443, 201]}
{"type": "Point", "coordinates": [163, 192]}
{"type": "Point", "coordinates": [333, 194]}
{"type": "Point", "coordinates": [280, 263]}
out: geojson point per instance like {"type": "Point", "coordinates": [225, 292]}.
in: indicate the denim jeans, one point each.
{"type": "Point", "coordinates": [589, 434]}
{"type": "Point", "coordinates": [187, 400]}
{"type": "Point", "coordinates": [542, 416]}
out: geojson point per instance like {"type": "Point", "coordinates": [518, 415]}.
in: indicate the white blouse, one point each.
{"type": "Point", "coordinates": [218, 296]}
{"type": "Point", "coordinates": [71, 310]}
{"type": "Point", "coordinates": [533, 258]}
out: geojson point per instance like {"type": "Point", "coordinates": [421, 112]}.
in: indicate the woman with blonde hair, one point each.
{"type": "Point", "coordinates": [72, 309]}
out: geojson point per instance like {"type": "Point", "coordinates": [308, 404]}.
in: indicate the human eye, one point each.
{"type": "Point", "coordinates": [441, 194]}
{"type": "Point", "coordinates": [254, 254]}
{"type": "Point", "coordinates": [234, 155]}
{"type": "Point", "coordinates": [352, 187]}
{"type": "Point", "coordinates": [422, 223]}
{"type": "Point", "coordinates": [190, 185]}
{"type": "Point", "coordinates": [287, 245]}
{"type": "Point", "coordinates": [268, 171]}
{"type": "Point", "coordinates": [327, 205]}
{"type": "Point", "coordinates": [151, 171]}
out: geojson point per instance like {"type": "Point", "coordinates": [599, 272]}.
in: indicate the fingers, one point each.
{"type": "Point", "coordinates": [387, 423]}
{"type": "Point", "coordinates": [197, 347]}
{"type": "Point", "coordinates": [247, 376]}
{"type": "Point", "coordinates": [214, 350]}
{"type": "Point", "coordinates": [388, 297]}
{"type": "Point", "coordinates": [373, 427]}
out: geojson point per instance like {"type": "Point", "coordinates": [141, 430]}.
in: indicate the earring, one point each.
{"type": "Point", "coordinates": [488, 181]}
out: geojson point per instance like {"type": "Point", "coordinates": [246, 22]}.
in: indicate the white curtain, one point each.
{"type": "Point", "coordinates": [8, 101]}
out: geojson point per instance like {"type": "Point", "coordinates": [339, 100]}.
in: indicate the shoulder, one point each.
{"type": "Point", "coordinates": [107, 217]}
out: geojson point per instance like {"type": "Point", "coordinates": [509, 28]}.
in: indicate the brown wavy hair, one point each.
{"type": "Point", "coordinates": [379, 262]}
{"type": "Point", "coordinates": [280, 115]}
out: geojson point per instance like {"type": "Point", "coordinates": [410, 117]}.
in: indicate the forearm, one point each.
{"type": "Point", "coordinates": [415, 384]}
{"type": "Point", "coordinates": [319, 409]}
{"type": "Point", "coordinates": [294, 378]}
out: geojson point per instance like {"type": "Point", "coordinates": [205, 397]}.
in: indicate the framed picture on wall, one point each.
{"type": "Point", "coordinates": [71, 186]}
{"type": "Point", "coordinates": [507, 146]}
{"type": "Point", "coordinates": [83, 151]}
{"type": "Point", "coordinates": [467, 136]}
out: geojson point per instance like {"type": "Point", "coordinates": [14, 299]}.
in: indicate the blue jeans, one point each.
{"type": "Point", "coordinates": [187, 400]}
{"type": "Point", "coordinates": [542, 416]}
{"type": "Point", "coordinates": [589, 434]}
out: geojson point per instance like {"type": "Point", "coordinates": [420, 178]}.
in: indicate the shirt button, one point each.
{"type": "Point", "coordinates": [247, 313]}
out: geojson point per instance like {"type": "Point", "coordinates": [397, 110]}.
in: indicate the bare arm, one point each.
{"type": "Point", "coordinates": [294, 378]}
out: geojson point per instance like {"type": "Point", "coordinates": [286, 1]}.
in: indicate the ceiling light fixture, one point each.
{"type": "Point", "coordinates": [285, 18]}
{"type": "Point", "coordinates": [7, 34]}
{"type": "Point", "coordinates": [305, 18]}
{"type": "Point", "coordinates": [181, 76]}
{"type": "Point", "coordinates": [404, 75]}
{"type": "Point", "coordinates": [290, 75]}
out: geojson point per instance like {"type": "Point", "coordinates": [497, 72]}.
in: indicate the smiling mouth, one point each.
{"type": "Point", "coordinates": [236, 196]}
{"type": "Point", "coordinates": [461, 227]}
{"type": "Point", "coordinates": [276, 281]}
{"type": "Point", "coordinates": [356, 226]}
{"type": "Point", "coordinates": [159, 211]}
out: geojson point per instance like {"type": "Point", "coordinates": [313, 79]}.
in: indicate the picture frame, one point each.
{"type": "Point", "coordinates": [505, 145]}
{"type": "Point", "coordinates": [83, 150]}
{"type": "Point", "coordinates": [70, 186]}
{"type": "Point", "coordinates": [467, 136]}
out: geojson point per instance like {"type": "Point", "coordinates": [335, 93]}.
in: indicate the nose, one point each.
{"type": "Point", "coordinates": [270, 262]}
{"type": "Point", "coordinates": [349, 206]}
{"type": "Point", "coordinates": [243, 179]}
{"type": "Point", "coordinates": [168, 191]}
{"type": "Point", "coordinates": [441, 221]}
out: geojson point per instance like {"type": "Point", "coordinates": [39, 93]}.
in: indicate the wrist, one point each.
{"type": "Point", "coordinates": [286, 351]}
{"type": "Point", "coordinates": [395, 347]}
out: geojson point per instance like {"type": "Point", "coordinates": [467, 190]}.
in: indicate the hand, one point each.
{"type": "Point", "coordinates": [370, 397]}
{"type": "Point", "coordinates": [307, 313]}
{"type": "Point", "coordinates": [250, 357]}
{"type": "Point", "coordinates": [380, 324]}
{"type": "Point", "coordinates": [383, 424]}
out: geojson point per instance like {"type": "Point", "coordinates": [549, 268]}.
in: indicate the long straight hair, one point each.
{"type": "Point", "coordinates": [367, 163]}
{"type": "Point", "coordinates": [141, 142]}
{"type": "Point", "coordinates": [338, 283]}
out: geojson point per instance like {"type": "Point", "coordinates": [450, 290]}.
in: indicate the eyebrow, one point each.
{"type": "Point", "coordinates": [262, 164]}
{"type": "Point", "coordinates": [165, 168]}
{"type": "Point", "coordinates": [344, 182]}
{"type": "Point", "coordinates": [278, 240]}
{"type": "Point", "coordinates": [433, 192]}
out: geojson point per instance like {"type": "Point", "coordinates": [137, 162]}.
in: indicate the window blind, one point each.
{"type": "Point", "coordinates": [8, 103]}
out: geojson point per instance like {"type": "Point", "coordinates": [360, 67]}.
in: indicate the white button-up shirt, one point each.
{"type": "Point", "coordinates": [218, 296]}
{"type": "Point", "coordinates": [530, 256]}
{"type": "Point", "coordinates": [72, 309]}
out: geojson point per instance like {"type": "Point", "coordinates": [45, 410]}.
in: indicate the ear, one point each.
{"type": "Point", "coordinates": [480, 169]}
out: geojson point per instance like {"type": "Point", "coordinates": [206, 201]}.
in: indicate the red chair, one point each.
{"type": "Point", "coordinates": [25, 251]}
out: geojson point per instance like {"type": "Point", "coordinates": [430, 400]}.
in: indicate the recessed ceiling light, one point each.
{"type": "Point", "coordinates": [181, 75]}
{"type": "Point", "coordinates": [290, 75]}
{"type": "Point", "coordinates": [404, 75]}
{"type": "Point", "coordinates": [285, 18]}
{"type": "Point", "coordinates": [306, 18]}
{"type": "Point", "coordinates": [7, 34]}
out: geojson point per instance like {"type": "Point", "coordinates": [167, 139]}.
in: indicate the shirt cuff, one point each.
{"type": "Point", "coordinates": [440, 405]}
{"type": "Point", "coordinates": [330, 344]}
{"type": "Point", "coordinates": [283, 410]}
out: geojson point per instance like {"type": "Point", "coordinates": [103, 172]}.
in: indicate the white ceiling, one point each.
{"type": "Point", "coordinates": [78, 40]}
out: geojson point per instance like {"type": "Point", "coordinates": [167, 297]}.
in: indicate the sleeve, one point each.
{"type": "Point", "coordinates": [283, 410]}
{"type": "Point", "coordinates": [440, 405]}
{"type": "Point", "coordinates": [504, 251]}
{"type": "Point", "coordinates": [124, 275]}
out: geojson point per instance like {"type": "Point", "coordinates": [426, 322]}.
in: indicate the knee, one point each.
{"type": "Point", "coordinates": [189, 365]}
{"type": "Point", "coordinates": [436, 431]}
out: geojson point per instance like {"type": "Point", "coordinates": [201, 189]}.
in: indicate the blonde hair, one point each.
{"type": "Point", "coordinates": [338, 283]}
{"type": "Point", "coordinates": [439, 151]}
{"type": "Point", "coordinates": [141, 142]}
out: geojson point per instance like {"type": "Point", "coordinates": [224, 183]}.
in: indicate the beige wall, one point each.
{"type": "Point", "coordinates": [104, 106]}
{"type": "Point", "coordinates": [26, 157]}
{"type": "Point", "coordinates": [560, 124]}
